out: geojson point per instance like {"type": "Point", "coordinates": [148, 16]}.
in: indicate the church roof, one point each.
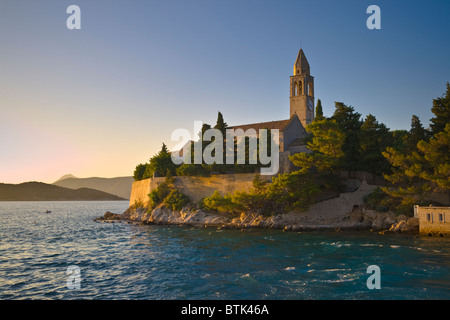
{"type": "Point", "coordinates": [301, 64]}
{"type": "Point", "coordinates": [280, 125]}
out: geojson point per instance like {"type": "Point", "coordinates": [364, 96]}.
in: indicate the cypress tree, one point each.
{"type": "Point", "coordinates": [319, 110]}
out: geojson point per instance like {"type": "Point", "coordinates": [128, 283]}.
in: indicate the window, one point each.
{"type": "Point", "coordinates": [441, 217]}
{"type": "Point", "coordinates": [428, 216]}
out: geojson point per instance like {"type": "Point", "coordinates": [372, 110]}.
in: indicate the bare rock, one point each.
{"type": "Point", "coordinates": [413, 222]}
{"type": "Point", "coordinates": [109, 216]}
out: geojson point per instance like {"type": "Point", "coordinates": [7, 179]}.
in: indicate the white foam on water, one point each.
{"type": "Point", "coordinates": [289, 268]}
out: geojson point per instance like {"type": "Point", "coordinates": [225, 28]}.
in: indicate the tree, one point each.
{"type": "Point", "coordinates": [416, 134]}
{"type": "Point", "coordinates": [139, 171]}
{"type": "Point", "coordinates": [436, 160]}
{"type": "Point", "coordinates": [350, 124]}
{"type": "Point", "coordinates": [221, 124]}
{"type": "Point", "coordinates": [441, 110]}
{"type": "Point", "coordinates": [326, 146]}
{"type": "Point", "coordinates": [420, 173]}
{"type": "Point", "coordinates": [374, 138]}
{"type": "Point", "coordinates": [293, 191]}
{"type": "Point", "coordinates": [160, 163]}
{"type": "Point", "coordinates": [399, 139]}
{"type": "Point", "coordinates": [319, 110]}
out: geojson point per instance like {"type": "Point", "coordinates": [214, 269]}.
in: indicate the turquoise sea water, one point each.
{"type": "Point", "coordinates": [128, 261]}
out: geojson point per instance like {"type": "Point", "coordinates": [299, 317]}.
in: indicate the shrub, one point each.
{"type": "Point", "coordinates": [193, 170]}
{"type": "Point", "coordinates": [216, 202]}
{"type": "Point", "coordinates": [377, 200]}
{"type": "Point", "coordinates": [176, 200]}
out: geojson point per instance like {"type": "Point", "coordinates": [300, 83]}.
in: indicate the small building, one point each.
{"type": "Point", "coordinates": [433, 221]}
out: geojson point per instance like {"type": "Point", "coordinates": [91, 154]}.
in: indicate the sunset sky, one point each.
{"type": "Point", "coordinates": [98, 101]}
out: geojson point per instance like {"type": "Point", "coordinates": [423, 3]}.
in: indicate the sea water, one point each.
{"type": "Point", "coordinates": [121, 260]}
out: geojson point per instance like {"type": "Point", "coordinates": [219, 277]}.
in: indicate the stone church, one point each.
{"type": "Point", "coordinates": [292, 130]}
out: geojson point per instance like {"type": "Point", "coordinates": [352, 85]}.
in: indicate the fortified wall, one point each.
{"type": "Point", "coordinates": [197, 188]}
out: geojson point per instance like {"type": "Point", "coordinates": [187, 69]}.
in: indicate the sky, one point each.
{"type": "Point", "coordinates": [99, 100]}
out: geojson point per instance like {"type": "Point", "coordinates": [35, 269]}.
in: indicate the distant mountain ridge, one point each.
{"type": "Point", "coordinates": [119, 186]}
{"type": "Point", "coordinates": [66, 176]}
{"type": "Point", "coordinates": [39, 191]}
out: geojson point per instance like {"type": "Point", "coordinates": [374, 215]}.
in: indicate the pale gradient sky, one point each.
{"type": "Point", "coordinates": [98, 101]}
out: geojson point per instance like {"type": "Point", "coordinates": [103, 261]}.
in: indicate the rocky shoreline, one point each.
{"type": "Point", "coordinates": [358, 219]}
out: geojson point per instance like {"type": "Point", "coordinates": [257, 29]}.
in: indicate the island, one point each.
{"type": "Point", "coordinates": [39, 191]}
{"type": "Point", "coordinates": [337, 172]}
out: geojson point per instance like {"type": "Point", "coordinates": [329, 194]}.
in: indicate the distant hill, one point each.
{"type": "Point", "coordinates": [38, 191]}
{"type": "Point", "coordinates": [120, 186]}
{"type": "Point", "coordinates": [66, 176]}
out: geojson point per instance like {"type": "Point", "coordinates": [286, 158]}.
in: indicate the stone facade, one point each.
{"type": "Point", "coordinates": [195, 188]}
{"type": "Point", "coordinates": [433, 221]}
{"type": "Point", "coordinates": [302, 90]}
{"type": "Point", "coordinates": [301, 96]}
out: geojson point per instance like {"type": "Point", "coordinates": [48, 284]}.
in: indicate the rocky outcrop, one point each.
{"type": "Point", "coordinates": [380, 221]}
{"type": "Point", "coordinates": [109, 216]}
{"type": "Point", "coordinates": [359, 219]}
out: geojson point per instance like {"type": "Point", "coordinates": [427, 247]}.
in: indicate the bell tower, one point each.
{"type": "Point", "coordinates": [302, 91]}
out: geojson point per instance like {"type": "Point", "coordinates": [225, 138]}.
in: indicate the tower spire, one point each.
{"type": "Point", "coordinates": [301, 65]}
{"type": "Point", "coordinates": [302, 90]}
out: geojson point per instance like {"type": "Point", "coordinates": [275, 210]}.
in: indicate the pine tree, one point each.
{"type": "Point", "coordinates": [415, 134]}
{"type": "Point", "coordinates": [420, 173]}
{"type": "Point", "coordinates": [326, 146]}
{"type": "Point", "coordinates": [374, 137]}
{"type": "Point", "coordinates": [441, 110]}
{"type": "Point", "coordinates": [350, 124]}
{"type": "Point", "coordinates": [160, 163]}
{"type": "Point", "coordinates": [436, 156]}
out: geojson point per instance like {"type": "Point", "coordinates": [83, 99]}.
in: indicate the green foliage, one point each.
{"type": "Point", "coordinates": [350, 124]}
{"type": "Point", "coordinates": [326, 146]}
{"type": "Point", "coordinates": [441, 110]}
{"type": "Point", "coordinates": [167, 193]}
{"type": "Point", "coordinates": [158, 195]}
{"type": "Point", "coordinates": [399, 140]}
{"type": "Point", "coordinates": [435, 160]}
{"type": "Point", "coordinates": [207, 169]}
{"type": "Point", "coordinates": [217, 202]}
{"type": "Point", "coordinates": [418, 174]}
{"type": "Point", "coordinates": [377, 200]}
{"type": "Point", "coordinates": [290, 191]}
{"type": "Point", "coordinates": [381, 201]}
{"type": "Point", "coordinates": [193, 170]}
{"type": "Point", "coordinates": [319, 110]}
{"type": "Point", "coordinates": [374, 138]}
{"type": "Point", "coordinates": [221, 124]}
{"type": "Point", "coordinates": [176, 200]}
{"type": "Point", "coordinates": [139, 171]}
{"type": "Point", "coordinates": [415, 134]}
{"type": "Point", "coordinates": [293, 191]}
{"type": "Point", "coordinates": [160, 163]}
{"type": "Point", "coordinates": [258, 183]}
